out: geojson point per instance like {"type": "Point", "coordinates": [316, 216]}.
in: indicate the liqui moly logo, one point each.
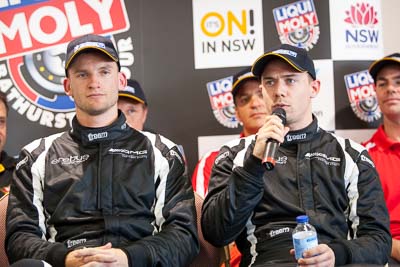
{"type": "Point", "coordinates": [221, 100]}
{"type": "Point", "coordinates": [361, 92]}
{"type": "Point", "coordinates": [33, 38]}
{"type": "Point", "coordinates": [363, 18]}
{"type": "Point", "coordinates": [297, 24]}
{"type": "Point", "coordinates": [34, 25]}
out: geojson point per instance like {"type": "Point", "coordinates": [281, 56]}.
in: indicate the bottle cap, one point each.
{"type": "Point", "coordinates": [302, 219]}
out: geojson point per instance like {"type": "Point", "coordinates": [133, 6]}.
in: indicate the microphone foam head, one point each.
{"type": "Point", "coordinates": [281, 113]}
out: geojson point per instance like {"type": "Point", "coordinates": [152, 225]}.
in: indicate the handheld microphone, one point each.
{"type": "Point", "coordinates": [271, 144]}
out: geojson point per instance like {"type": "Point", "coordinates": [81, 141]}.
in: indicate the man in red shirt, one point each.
{"type": "Point", "coordinates": [384, 146]}
{"type": "Point", "coordinates": [251, 110]}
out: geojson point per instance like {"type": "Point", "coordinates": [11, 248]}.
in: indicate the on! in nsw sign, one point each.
{"type": "Point", "coordinates": [227, 33]}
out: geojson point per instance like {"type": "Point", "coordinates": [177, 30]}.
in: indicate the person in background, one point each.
{"type": "Point", "coordinates": [132, 102]}
{"type": "Point", "coordinates": [384, 145]}
{"type": "Point", "coordinates": [316, 173]}
{"type": "Point", "coordinates": [7, 163]}
{"type": "Point", "coordinates": [103, 193]}
{"type": "Point", "coordinates": [251, 107]}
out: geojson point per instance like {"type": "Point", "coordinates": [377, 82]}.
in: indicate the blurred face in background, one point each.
{"type": "Point", "coordinates": [134, 111]}
{"type": "Point", "coordinates": [252, 106]}
{"type": "Point", "coordinates": [387, 86]}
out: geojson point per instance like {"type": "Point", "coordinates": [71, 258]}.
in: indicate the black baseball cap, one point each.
{"type": "Point", "coordinates": [297, 57]}
{"type": "Point", "coordinates": [91, 41]}
{"type": "Point", "coordinates": [133, 91]}
{"type": "Point", "coordinates": [241, 77]}
{"type": "Point", "coordinates": [377, 65]}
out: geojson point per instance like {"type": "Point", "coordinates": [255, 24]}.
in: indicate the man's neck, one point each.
{"type": "Point", "coordinates": [98, 121]}
{"type": "Point", "coordinates": [391, 127]}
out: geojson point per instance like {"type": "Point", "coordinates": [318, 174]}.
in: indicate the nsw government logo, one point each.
{"type": "Point", "coordinates": [364, 31]}
{"type": "Point", "coordinates": [297, 24]}
{"type": "Point", "coordinates": [361, 92]}
{"type": "Point", "coordinates": [221, 100]}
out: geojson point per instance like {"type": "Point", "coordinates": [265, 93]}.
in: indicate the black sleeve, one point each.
{"type": "Point", "coordinates": [234, 192]}
{"type": "Point", "coordinates": [26, 232]}
{"type": "Point", "coordinates": [368, 216]}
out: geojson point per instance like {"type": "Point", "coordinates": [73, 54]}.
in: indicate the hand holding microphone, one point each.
{"type": "Point", "coordinates": [271, 144]}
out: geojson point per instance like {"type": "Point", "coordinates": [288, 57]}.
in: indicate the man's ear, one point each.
{"type": "Point", "coordinates": [316, 86]}
{"type": "Point", "coordinates": [67, 87]}
{"type": "Point", "coordinates": [123, 82]}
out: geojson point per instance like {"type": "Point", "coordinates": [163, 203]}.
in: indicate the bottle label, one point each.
{"type": "Point", "coordinates": [303, 241]}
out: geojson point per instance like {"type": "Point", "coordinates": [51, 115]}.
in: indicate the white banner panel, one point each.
{"type": "Point", "coordinates": [356, 29]}
{"type": "Point", "coordinates": [227, 33]}
{"type": "Point", "coordinates": [324, 104]}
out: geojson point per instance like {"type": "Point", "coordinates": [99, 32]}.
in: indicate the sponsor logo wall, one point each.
{"type": "Point", "coordinates": [342, 48]}
{"type": "Point", "coordinates": [184, 56]}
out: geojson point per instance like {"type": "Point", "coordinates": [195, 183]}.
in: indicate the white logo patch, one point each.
{"type": "Point", "coordinates": [72, 243]}
{"type": "Point", "coordinates": [22, 162]}
{"type": "Point", "coordinates": [96, 136]}
{"type": "Point", "coordinates": [364, 158]}
{"type": "Point", "coordinates": [222, 156]}
{"type": "Point", "coordinates": [132, 154]}
{"type": "Point", "coordinates": [71, 160]}
{"type": "Point", "coordinates": [273, 233]}
{"type": "Point", "coordinates": [333, 161]}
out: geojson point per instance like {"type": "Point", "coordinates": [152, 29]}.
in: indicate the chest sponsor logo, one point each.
{"type": "Point", "coordinates": [332, 161]}
{"type": "Point", "coordinates": [273, 233]}
{"type": "Point", "coordinates": [71, 160]}
{"type": "Point", "coordinates": [96, 136]}
{"type": "Point", "coordinates": [361, 92]}
{"type": "Point", "coordinates": [132, 154]}
{"type": "Point", "coordinates": [295, 137]}
{"type": "Point", "coordinates": [77, 242]}
{"type": "Point", "coordinates": [297, 24]}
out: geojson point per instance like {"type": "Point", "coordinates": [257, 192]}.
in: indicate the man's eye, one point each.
{"type": "Point", "coordinates": [290, 81]}
{"type": "Point", "coordinates": [244, 100]}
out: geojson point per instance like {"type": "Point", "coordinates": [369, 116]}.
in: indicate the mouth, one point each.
{"type": "Point", "coordinates": [258, 115]}
{"type": "Point", "coordinates": [280, 105]}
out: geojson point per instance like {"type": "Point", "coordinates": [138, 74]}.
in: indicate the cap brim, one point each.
{"type": "Point", "coordinates": [86, 48]}
{"type": "Point", "coordinates": [131, 97]}
{"type": "Point", "coordinates": [379, 64]}
{"type": "Point", "coordinates": [240, 81]}
{"type": "Point", "coordinates": [259, 65]}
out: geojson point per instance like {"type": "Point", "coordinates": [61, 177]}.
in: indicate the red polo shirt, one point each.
{"type": "Point", "coordinates": [386, 156]}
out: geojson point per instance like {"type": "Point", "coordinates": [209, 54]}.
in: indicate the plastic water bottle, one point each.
{"type": "Point", "coordinates": [304, 236]}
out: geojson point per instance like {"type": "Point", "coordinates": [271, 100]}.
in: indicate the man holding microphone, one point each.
{"type": "Point", "coordinates": [313, 172]}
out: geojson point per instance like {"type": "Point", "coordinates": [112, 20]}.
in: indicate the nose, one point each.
{"type": "Point", "coordinates": [280, 89]}
{"type": "Point", "coordinates": [94, 81]}
{"type": "Point", "coordinates": [256, 100]}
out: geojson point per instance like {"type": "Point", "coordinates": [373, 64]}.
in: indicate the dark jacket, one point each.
{"type": "Point", "coordinates": [6, 170]}
{"type": "Point", "coordinates": [87, 187]}
{"type": "Point", "coordinates": [331, 179]}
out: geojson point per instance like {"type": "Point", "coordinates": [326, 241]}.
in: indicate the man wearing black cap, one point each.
{"type": "Point", "coordinates": [102, 194]}
{"type": "Point", "coordinates": [132, 102]}
{"type": "Point", "coordinates": [251, 108]}
{"type": "Point", "coordinates": [328, 178]}
{"type": "Point", "coordinates": [384, 146]}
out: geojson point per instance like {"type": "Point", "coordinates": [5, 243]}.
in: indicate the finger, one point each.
{"type": "Point", "coordinates": [101, 258]}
